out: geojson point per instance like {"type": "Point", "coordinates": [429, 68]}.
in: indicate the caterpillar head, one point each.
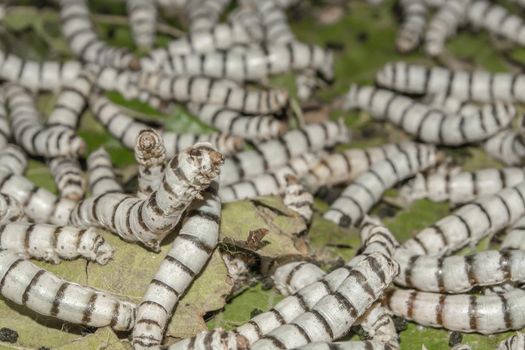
{"type": "Point", "coordinates": [203, 163]}
{"type": "Point", "coordinates": [149, 148]}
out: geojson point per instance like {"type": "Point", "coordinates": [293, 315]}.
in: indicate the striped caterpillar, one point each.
{"type": "Point", "coordinates": [10, 210]}
{"type": "Point", "coordinates": [150, 155]}
{"type": "Point", "coordinates": [143, 22]}
{"type": "Point", "coordinates": [479, 86]}
{"type": "Point", "coordinates": [25, 284]}
{"type": "Point", "coordinates": [412, 26]}
{"type": "Point", "coordinates": [149, 220]}
{"type": "Point", "coordinates": [506, 146]}
{"type": "Point", "coordinates": [272, 182]}
{"type": "Point", "coordinates": [217, 339]}
{"type": "Point", "coordinates": [347, 345]}
{"type": "Point", "coordinates": [274, 153]}
{"type": "Point", "coordinates": [485, 314]}
{"type": "Point", "coordinates": [12, 160]}
{"type": "Point", "coordinates": [428, 124]}
{"type": "Point", "coordinates": [260, 127]}
{"type": "Point", "coordinates": [189, 253]}
{"type": "Point", "coordinates": [298, 199]}
{"type": "Point", "coordinates": [516, 342]}
{"type": "Point", "coordinates": [29, 132]}
{"type": "Point", "coordinates": [515, 237]}
{"type": "Point", "coordinates": [85, 43]}
{"type": "Point", "coordinates": [361, 195]}
{"type": "Point", "coordinates": [126, 130]}
{"type": "Point", "coordinates": [274, 21]}
{"type": "Point", "coordinates": [102, 177]}
{"type": "Point", "coordinates": [214, 91]}
{"type": "Point", "coordinates": [462, 187]}
{"type": "Point", "coordinates": [247, 17]}
{"type": "Point", "coordinates": [5, 131]}
{"type": "Point", "coordinates": [203, 15]}
{"type": "Point", "coordinates": [68, 177]}
{"type": "Point", "coordinates": [54, 243]}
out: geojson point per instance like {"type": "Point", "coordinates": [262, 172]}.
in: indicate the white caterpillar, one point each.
{"type": "Point", "coordinates": [54, 243]}
{"type": "Point", "coordinates": [485, 314]}
{"type": "Point", "coordinates": [190, 251]}
{"type": "Point", "coordinates": [203, 15]}
{"type": "Point", "coordinates": [10, 209]}
{"type": "Point", "coordinates": [85, 43]}
{"type": "Point", "coordinates": [260, 127]}
{"type": "Point", "coordinates": [143, 22]}
{"type": "Point", "coordinates": [42, 292]}
{"type": "Point", "coordinates": [515, 237]}
{"type": "Point", "coordinates": [102, 177]}
{"type": "Point", "coordinates": [277, 152]}
{"type": "Point", "coordinates": [412, 28]}
{"type": "Point", "coordinates": [272, 182]}
{"type": "Point", "coordinates": [426, 123]}
{"type": "Point", "coordinates": [516, 342]}
{"type": "Point", "coordinates": [347, 345]}
{"type": "Point", "coordinates": [506, 146]}
{"type": "Point", "coordinates": [12, 160]}
{"type": "Point", "coordinates": [126, 130]}
{"type": "Point", "coordinates": [361, 195]}
{"type": "Point", "coordinates": [274, 21]}
{"type": "Point", "coordinates": [298, 199]}
{"type": "Point", "coordinates": [149, 220]}
{"type": "Point", "coordinates": [5, 131]}
{"type": "Point", "coordinates": [291, 277]}
{"type": "Point", "coordinates": [150, 155]}
{"type": "Point", "coordinates": [246, 16]}
{"type": "Point", "coordinates": [29, 132]}
{"type": "Point", "coordinates": [68, 177]}
{"type": "Point", "coordinates": [217, 339]}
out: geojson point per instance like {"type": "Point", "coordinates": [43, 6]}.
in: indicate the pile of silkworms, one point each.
{"type": "Point", "coordinates": [219, 69]}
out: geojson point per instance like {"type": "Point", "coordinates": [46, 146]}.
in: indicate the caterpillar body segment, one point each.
{"type": "Point", "coordinates": [102, 177]}
{"type": "Point", "coordinates": [413, 25]}
{"type": "Point", "coordinates": [506, 146]}
{"type": "Point", "coordinates": [298, 199]}
{"type": "Point", "coordinates": [68, 177]}
{"type": "Point", "coordinates": [10, 209]}
{"type": "Point", "coordinates": [143, 22]}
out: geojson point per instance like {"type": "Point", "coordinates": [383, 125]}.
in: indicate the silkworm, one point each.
{"type": "Point", "coordinates": [149, 220]}
{"type": "Point", "coordinates": [275, 153]}
{"type": "Point", "coordinates": [12, 160]}
{"type": "Point", "coordinates": [444, 24]}
{"type": "Point", "coordinates": [485, 314]}
{"type": "Point", "coordinates": [452, 104]}
{"type": "Point", "coordinates": [457, 274]}
{"type": "Point", "coordinates": [39, 204]}
{"type": "Point", "coordinates": [25, 284]}
{"type": "Point", "coordinates": [347, 345]}
{"type": "Point", "coordinates": [291, 277]}
{"type": "Point", "coordinates": [470, 223]}
{"type": "Point", "coordinates": [33, 75]}
{"type": "Point", "coordinates": [31, 135]}
{"type": "Point", "coordinates": [260, 127]}
{"type": "Point", "coordinates": [480, 86]}
{"type": "Point", "coordinates": [344, 166]}
{"type": "Point", "coordinates": [426, 123]}
{"type": "Point", "coordinates": [111, 79]}
{"type": "Point", "coordinates": [333, 315]}
{"type": "Point", "coordinates": [506, 146]}
{"type": "Point", "coordinates": [379, 326]}
{"type": "Point", "coordinates": [515, 342]}
{"type": "Point", "coordinates": [150, 155]}
{"type": "Point", "coordinates": [68, 177]}
{"type": "Point", "coordinates": [217, 339]}
{"type": "Point", "coordinates": [127, 129]}
{"type": "Point", "coordinates": [143, 22]}
{"type": "Point", "coordinates": [298, 199]}
{"type": "Point", "coordinates": [361, 195]}
{"type": "Point", "coordinates": [463, 187]}
{"type": "Point", "coordinates": [497, 20]}
{"type": "Point", "coordinates": [101, 174]}
{"type": "Point", "coordinates": [54, 243]}
{"type": "Point", "coordinates": [414, 19]}
{"type": "Point", "coordinates": [247, 17]}
{"type": "Point", "coordinates": [85, 43]}
{"type": "Point", "coordinates": [274, 22]}
{"type": "Point", "coordinates": [515, 236]}
{"type": "Point", "coordinates": [204, 14]}
{"type": "Point", "coordinates": [213, 91]}
{"type": "Point", "coordinates": [189, 253]}
{"type": "Point", "coordinates": [5, 131]}
{"type": "Point", "coordinates": [10, 209]}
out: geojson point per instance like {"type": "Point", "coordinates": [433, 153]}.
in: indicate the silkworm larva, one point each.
{"type": "Point", "coordinates": [143, 22]}
{"type": "Point", "coordinates": [291, 277]}
{"type": "Point", "coordinates": [39, 204]}
{"type": "Point", "coordinates": [150, 155]}
{"type": "Point", "coordinates": [444, 24]}
{"type": "Point", "coordinates": [127, 129]}
{"type": "Point", "coordinates": [47, 75]}
{"type": "Point", "coordinates": [458, 274]}
{"type": "Point", "coordinates": [5, 131]}
{"type": "Point", "coordinates": [189, 253]}
{"type": "Point", "coordinates": [203, 15]}
{"type": "Point", "coordinates": [68, 177]}
{"type": "Point", "coordinates": [217, 339]}
{"type": "Point", "coordinates": [515, 237]}
{"type": "Point", "coordinates": [361, 195]}
{"type": "Point", "coordinates": [470, 223]}
{"type": "Point", "coordinates": [10, 209]}
{"type": "Point", "coordinates": [497, 20]}
{"type": "Point", "coordinates": [414, 13]}
{"type": "Point", "coordinates": [333, 315]}
{"type": "Point", "coordinates": [25, 284]}
{"type": "Point", "coordinates": [379, 325]}
{"type": "Point", "coordinates": [111, 79]}
{"type": "Point", "coordinates": [426, 123]}
{"type": "Point", "coordinates": [463, 187]}
{"type": "Point", "coordinates": [13, 160]}
{"type": "Point", "coordinates": [54, 243]}
{"type": "Point", "coordinates": [480, 86]}
{"type": "Point", "coordinates": [506, 146]}
{"type": "Point", "coordinates": [29, 132]}
{"type": "Point", "coordinates": [274, 22]}
{"type": "Point", "coordinates": [298, 199]}
{"type": "Point", "coordinates": [335, 168]}
{"type": "Point", "coordinates": [149, 220]}
{"type": "Point", "coordinates": [248, 18]}
{"type": "Point", "coordinates": [451, 104]}
{"type": "Point", "coordinates": [516, 342]}
{"type": "Point", "coordinates": [277, 152]}
{"type": "Point", "coordinates": [85, 43]}
{"type": "Point", "coordinates": [260, 127]}
{"type": "Point", "coordinates": [347, 345]}
{"type": "Point", "coordinates": [485, 314]}
{"type": "Point", "coordinates": [213, 91]}
{"type": "Point", "coordinates": [101, 174]}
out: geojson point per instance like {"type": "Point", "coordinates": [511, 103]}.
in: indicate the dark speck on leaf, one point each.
{"type": "Point", "coordinates": [368, 131]}
{"type": "Point", "coordinates": [455, 338]}
{"type": "Point", "coordinates": [44, 348]}
{"type": "Point", "coordinates": [362, 37]}
{"type": "Point", "coordinates": [386, 211]}
{"type": "Point", "coordinates": [400, 323]}
{"type": "Point", "coordinates": [8, 335]}
{"type": "Point", "coordinates": [335, 46]}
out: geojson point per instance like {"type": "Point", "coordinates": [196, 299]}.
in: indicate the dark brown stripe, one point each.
{"type": "Point", "coordinates": [59, 296]}
{"type": "Point", "coordinates": [34, 280]}
{"type": "Point", "coordinates": [88, 311]}
{"type": "Point", "coordinates": [472, 313]}
{"type": "Point", "coordinates": [323, 322]}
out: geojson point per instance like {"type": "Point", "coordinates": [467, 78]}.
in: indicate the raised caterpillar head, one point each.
{"type": "Point", "coordinates": [149, 148]}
